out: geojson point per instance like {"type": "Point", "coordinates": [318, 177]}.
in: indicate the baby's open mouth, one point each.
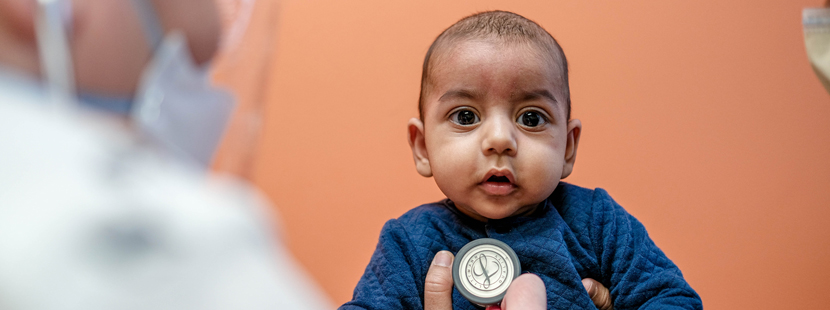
{"type": "Point", "coordinates": [498, 185]}
{"type": "Point", "coordinates": [498, 179]}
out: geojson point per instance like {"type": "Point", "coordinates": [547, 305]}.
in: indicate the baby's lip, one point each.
{"type": "Point", "coordinates": [499, 173]}
{"type": "Point", "coordinates": [494, 182]}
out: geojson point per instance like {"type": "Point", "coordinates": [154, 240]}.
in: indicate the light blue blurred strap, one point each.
{"type": "Point", "coordinates": [53, 49]}
{"type": "Point", "coordinates": [150, 21]}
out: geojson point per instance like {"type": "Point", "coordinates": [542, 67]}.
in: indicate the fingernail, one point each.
{"type": "Point", "coordinates": [443, 259]}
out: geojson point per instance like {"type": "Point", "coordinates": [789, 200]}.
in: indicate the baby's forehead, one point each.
{"type": "Point", "coordinates": [522, 48]}
{"type": "Point", "coordinates": [460, 47]}
{"type": "Point", "coordinates": [458, 58]}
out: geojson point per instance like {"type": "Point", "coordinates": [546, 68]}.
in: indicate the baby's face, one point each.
{"type": "Point", "coordinates": [495, 128]}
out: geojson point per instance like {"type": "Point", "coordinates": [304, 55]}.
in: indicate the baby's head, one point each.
{"type": "Point", "coordinates": [499, 26]}
{"type": "Point", "coordinates": [495, 129]}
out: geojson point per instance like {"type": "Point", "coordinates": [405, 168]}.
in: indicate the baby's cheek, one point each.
{"type": "Point", "coordinates": [541, 175]}
{"type": "Point", "coordinates": [451, 186]}
{"type": "Point", "coordinates": [455, 169]}
{"type": "Point", "coordinates": [453, 158]}
{"type": "Point", "coordinates": [544, 185]}
{"type": "Point", "coordinates": [453, 174]}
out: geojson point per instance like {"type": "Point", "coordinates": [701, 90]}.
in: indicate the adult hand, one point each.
{"type": "Point", "coordinates": [599, 294]}
{"type": "Point", "coordinates": [438, 285]}
{"type": "Point", "coordinates": [527, 292]}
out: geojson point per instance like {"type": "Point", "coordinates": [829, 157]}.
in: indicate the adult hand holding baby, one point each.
{"type": "Point", "coordinates": [526, 292]}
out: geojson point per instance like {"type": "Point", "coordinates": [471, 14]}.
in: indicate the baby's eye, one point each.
{"type": "Point", "coordinates": [531, 119]}
{"type": "Point", "coordinates": [464, 117]}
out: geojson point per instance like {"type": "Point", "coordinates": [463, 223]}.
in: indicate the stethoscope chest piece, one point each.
{"type": "Point", "coordinates": [483, 269]}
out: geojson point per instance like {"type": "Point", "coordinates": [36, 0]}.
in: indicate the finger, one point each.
{"type": "Point", "coordinates": [598, 293]}
{"type": "Point", "coordinates": [438, 285]}
{"type": "Point", "coordinates": [527, 292]}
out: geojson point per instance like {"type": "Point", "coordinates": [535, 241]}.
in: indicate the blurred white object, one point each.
{"type": "Point", "coordinates": [95, 216]}
{"type": "Point", "coordinates": [90, 218]}
{"type": "Point", "coordinates": [816, 23]}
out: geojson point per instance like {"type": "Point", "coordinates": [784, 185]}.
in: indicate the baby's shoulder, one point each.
{"type": "Point", "coordinates": [572, 198]}
{"type": "Point", "coordinates": [577, 204]}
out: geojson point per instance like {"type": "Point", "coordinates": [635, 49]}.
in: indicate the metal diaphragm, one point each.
{"type": "Point", "coordinates": [483, 269]}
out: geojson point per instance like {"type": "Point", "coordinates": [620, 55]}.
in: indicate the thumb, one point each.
{"type": "Point", "coordinates": [438, 285]}
{"type": "Point", "coordinates": [525, 293]}
{"type": "Point", "coordinates": [598, 293]}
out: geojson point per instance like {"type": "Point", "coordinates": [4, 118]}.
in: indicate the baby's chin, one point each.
{"type": "Point", "coordinates": [484, 214]}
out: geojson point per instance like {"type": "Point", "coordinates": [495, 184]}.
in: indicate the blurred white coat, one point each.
{"type": "Point", "coordinates": [91, 217]}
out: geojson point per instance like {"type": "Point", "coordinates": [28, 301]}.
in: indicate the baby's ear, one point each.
{"type": "Point", "coordinates": [574, 130]}
{"type": "Point", "coordinates": [417, 142]}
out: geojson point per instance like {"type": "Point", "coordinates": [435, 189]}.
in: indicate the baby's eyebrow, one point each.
{"type": "Point", "coordinates": [535, 94]}
{"type": "Point", "coordinates": [457, 94]}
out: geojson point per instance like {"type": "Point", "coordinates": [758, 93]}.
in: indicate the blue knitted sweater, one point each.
{"type": "Point", "coordinates": [577, 233]}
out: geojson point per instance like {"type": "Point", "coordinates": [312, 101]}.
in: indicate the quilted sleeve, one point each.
{"type": "Point", "coordinates": [639, 275]}
{"type": "Point", "coordinates": [389, 280]}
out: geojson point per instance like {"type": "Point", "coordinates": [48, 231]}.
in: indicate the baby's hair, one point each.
{"type": "Point", "coordinates": [507, 27]}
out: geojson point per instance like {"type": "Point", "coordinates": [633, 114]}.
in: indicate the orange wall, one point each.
{"type": "Point", "coordinates": [702, 118]}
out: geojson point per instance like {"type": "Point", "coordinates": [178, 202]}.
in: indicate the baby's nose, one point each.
{"type": "Point", "coordinates": [499, 137]}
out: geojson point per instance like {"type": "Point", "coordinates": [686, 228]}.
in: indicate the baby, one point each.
{"type": "Point", "coordinates": [496, 135]}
